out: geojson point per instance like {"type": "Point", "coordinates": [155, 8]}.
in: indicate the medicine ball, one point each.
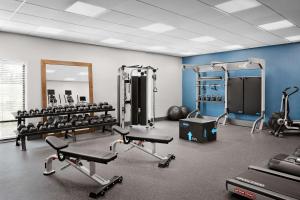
{"type": "Point", "coordinates": [184, 112]}
{"type": "Point", "coordinates": [174, 113]}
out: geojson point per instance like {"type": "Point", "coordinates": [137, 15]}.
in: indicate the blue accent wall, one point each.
{"type": "Point", "coordinates": [282, 70]}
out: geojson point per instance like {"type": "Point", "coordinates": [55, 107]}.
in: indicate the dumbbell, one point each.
{"type": "Point", "coordinates": [78, 123]}
{"type": "Point", "coordinates": [93, 121]}
{"type": "Point", "coordinates": [20, 127]}
{"type": "Point", "coordinates": [23, 130]}
{"type": "Point", "coordinates": [80, 108]}
{"type": "Point", "coordinates": [213, 98]}
{"type": "Point", "coordinates": [208, 98]}
{"type": "Point", "coordinates": [85, 123]}
{"type": "Point", "coordinates": [32, 129]}
{"type": "Point", "coordinates": [219, 98]}
{"type": "Point", "coordinates": [104, 116]}
{"type": "Point", "coordinates": [29, 125]}
{"type": "Point", "coordinates": [69, 109]}
{"type": "Point", "coordinates": [60, 125]}
{"type": "Point", "coordinates": [50, 120]}
{"type": "Point", "coordinates": [68, 124]}
{"type": "Point", "coordinates": [32, 112]}
{"type": "Point", "coordinates": [25, 113]}
{"type": "Point", "coordinates": [19, 112]}
{"type": "Point", "coordinates": [51, 127]}
{"type": "Point", "coordinates": [43, 128]}
{"type": "Point", "coordinates": [86, 108]}
{"type": "Point", "coordinates": [99, 121]}
{"type": "Point", "coordinates": [39, 124]}
{"type": "Point", "coordinates": [107, 107]}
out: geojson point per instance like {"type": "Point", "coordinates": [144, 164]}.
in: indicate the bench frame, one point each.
{"type": "Point", "coordinates": [164, 160]}
{"type": "Point", "coordinates": [105, 184]}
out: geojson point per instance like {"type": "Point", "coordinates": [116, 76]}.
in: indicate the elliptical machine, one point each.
{"type": "Point", "coordinates": [280, 122]}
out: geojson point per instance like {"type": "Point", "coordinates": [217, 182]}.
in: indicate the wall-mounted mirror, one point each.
{"type": "Point", "coordinates": [66, 82]}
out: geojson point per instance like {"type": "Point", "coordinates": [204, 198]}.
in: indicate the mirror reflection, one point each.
{"type": "Point", "coordinates": [67, 85]}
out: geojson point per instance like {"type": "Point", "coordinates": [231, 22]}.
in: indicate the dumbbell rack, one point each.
{"type": "Point", "coordinates": [21, 119]}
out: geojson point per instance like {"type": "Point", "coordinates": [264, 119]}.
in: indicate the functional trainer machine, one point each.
{"type": "Point", "coordinates": [281, 122]}
{"type": "Point", "coordinates": [242, 94]}
{"type": "Point", "coordinates": [136, 141]}
{"type": "Point", "coordinates": [136, 95]}
{"type": "Point", "coordinates": [73, 156]}
{"type": "Point", "coordinates": [281, 181]}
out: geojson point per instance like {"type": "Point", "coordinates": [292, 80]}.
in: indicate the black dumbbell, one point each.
{"type": "Point", "coordinates": [43, 128]}
{"type": "Point", "coordinates": [78, 123]}
{"type": "Point", "coordinates": [93, 121]}
{"type": "Point", "coordinates": [29, 125]}
{"type": "Point", "coordinates": [20, 127]}
{"type": "Point", "coordinates": [68, 124]}
{"type": "Point", "coordinates": [51, 127]}
{"type": "Point", "coordinates": [32, 129]}
{"type": "Point", "coordinates": [19, 112]}
{"type": "Point", "coordinates": [31, 112]}
{"type": "Point", "coordinates": [213, 98]}
{"type": "Point", "coordinates": [85, 123]}
{"type": "Point", "coordinates": [219, 98]}
{"type": "Point", "coordinates": [50, 120]}
{"type": "Point", "coordinates": [60, 125]}
{"type": "Point", "coordinates": [39, 124]}
{"type": "Point", "coordinates": [23, 130]}
{"type": "Point", "coordinates": [208, 98]}
{"type": "Point", "coordinates": [25, 113]}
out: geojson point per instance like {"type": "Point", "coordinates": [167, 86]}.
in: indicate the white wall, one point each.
{"type": "Point", "coordinates": [106, 62]}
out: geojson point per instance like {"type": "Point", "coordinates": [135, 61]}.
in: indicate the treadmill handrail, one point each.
{"type": "Point", "coordinates": [275, 173]}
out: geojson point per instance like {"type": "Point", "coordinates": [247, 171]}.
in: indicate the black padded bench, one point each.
{"type": "Point", "coordinates": [130, 138]}
{"type": "Point", "coordinates": [73, 156]}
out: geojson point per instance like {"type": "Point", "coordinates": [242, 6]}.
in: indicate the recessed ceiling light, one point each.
{"type": "Point", "coordinates": [69, 79]}
{"type": "Point", "coordinates": [203, 39]}
{"type": "Point", "coordinates": [83, 73]}
{"type": "Point", "coordinates": [85, 9]}
{"type": "Point", "coordinates": [232, 47]}
{"type": "Point", "coordinates": [293, 38]}
{"type": "Point", "coordinates": [157, 48]}
{"type": "Point", "coordinates": [49, 30]}
{"type": "Point", "coordinates": [49, 71]}
{"type": "Point", "coordinates": [276, 25]}
{"type": "Point", "coordinates": [158, 28]}
{"type": "Point", "coordinates": [112, 41]}
{"type": "Point", "coordinates": [237, 5]}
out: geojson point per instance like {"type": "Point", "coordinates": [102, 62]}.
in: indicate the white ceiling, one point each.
{"type": "Point", "coordinates": [191, 18]}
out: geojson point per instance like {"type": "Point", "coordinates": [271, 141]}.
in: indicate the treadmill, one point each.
{"type": "Point", "coordinates": [280, 180]}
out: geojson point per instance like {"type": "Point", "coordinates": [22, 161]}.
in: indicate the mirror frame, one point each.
{"type": "Point", "coordinates": [45, 62]}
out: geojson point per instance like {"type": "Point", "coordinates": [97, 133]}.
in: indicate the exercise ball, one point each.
{"type": "Point", "coordinates": [184, 112]}
{"type": "Point", "coordinates": [174, 113]}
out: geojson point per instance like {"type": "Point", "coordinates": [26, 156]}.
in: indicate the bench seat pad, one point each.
{"type": "Point", "coordinates": [150, 138]}
{"type": "Point", "coordinates": [88, 154]}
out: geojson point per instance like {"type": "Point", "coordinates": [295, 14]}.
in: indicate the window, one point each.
{"type": "Point", "coordinates": [12, 89]}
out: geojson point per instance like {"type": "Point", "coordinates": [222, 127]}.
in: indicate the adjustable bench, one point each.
{"type": "Point", "coordinates": [73, 157]}
{"type": "Point", "coordinates": [130, 139]}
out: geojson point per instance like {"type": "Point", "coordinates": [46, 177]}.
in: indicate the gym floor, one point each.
{"type": "Point", "coordinates": [199, 171]}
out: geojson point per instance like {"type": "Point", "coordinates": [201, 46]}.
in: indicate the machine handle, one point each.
{"type": "Point", "coordinates": [294, 90]}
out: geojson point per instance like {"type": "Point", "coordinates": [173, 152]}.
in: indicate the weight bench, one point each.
{"type": "Point", "coordinates": [130, 139]}
{"type": "Point", "coordinates": [73, 157]}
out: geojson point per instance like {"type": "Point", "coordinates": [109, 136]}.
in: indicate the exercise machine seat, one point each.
{"type": "Point", "coordinates": [89, 154]}
{"type": "Point", "coordinates": [150, 138]}
{"type": "Point", "coordinates": [120, 130]}
{"type": "Point", "coordinates": [78, 152]}
{"type": "Point", "coordinates": [56, 143]}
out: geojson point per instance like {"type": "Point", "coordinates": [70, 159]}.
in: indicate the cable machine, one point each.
{"type": "Point", "coordinates": [242, 94]}
{"type": "Point", "coordinates": [136, 95]}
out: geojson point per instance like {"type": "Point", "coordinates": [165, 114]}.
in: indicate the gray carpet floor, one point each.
{"type": "Point", "coordinates": [199, 171]}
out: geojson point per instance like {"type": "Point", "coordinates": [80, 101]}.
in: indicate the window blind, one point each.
{"type": "Point", "coordinates": [12, 89]}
